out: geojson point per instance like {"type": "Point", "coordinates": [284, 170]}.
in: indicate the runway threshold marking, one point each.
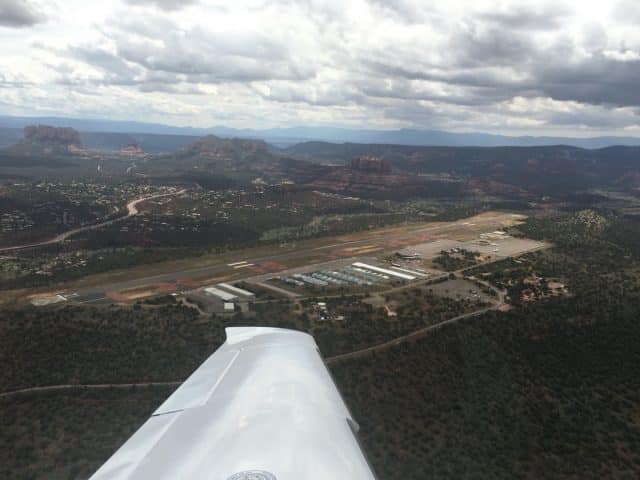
{"type": "Point", "coordinates": [236, 263]}
{"type": "Point", "coordinates": [244, 265]}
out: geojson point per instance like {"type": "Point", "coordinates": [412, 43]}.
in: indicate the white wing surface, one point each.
{"type": "Point", "coordinates": [262, 407]}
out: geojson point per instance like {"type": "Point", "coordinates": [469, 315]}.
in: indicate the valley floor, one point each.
{"type": "Point", "coordinates": [451, 387]}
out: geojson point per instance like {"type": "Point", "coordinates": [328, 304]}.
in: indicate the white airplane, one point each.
{"type": "Point", "coordinates": [262, 407]}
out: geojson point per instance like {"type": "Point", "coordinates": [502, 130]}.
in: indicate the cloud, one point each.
{"type": "Point", "coordinates": [156, 50]}
{"type": "Point", "coordinates": [490, 58]}
{"type": "Point", "coordinates": [169, 5]}
{"type": "Point", "coordinates": [479, 45]}
{"type": "Point", "coordinates": [19, 14]}
{"type": "Point", "coordinates": [528, 16]}
{"type": "Point", "coordinates": [627, 11]}
{"type": "Point", "coordinates": [113, 68]}
{"type": "Point", "coordinates": [410, 11]}
{"type": "Point", "coordinates": [600, 80]}
{"type": "Point", "coordinates": [460, 65]}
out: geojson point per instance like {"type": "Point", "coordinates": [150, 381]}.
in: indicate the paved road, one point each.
{"type": "Point", "coordinates": [132, 209]}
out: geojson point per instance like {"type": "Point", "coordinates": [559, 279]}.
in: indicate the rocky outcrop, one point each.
{"type": "Point", "coordinates": [44, 140]}
{"type": "Point", "coordinates": [45, 135]}
{"type": "Point", "coordinates": [370, 164]}
{"type": "Point", "coordinates": [223, 148]}
{"type": "Point", "coordinates": [131, 150]}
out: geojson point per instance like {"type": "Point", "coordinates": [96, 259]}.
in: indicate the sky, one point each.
{"type": "Point", "coordinates": [525, 67]}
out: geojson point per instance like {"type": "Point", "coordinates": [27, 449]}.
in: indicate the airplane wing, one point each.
{"type": "Point", "coordinates": [262, 407]}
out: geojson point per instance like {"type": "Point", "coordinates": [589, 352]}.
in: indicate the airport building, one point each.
{"type": "Point", "coordinates": [355, 274]}
{"type": "Point", "coordinates": [384, 271]}
{"type": "Point", "coordinates": [409, 272]}
{"type": "Point", "coordinates": [235, 290]}
{"type": "Point", "coordinates": [221, 294]}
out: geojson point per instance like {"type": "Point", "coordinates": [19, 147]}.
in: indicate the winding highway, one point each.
{"type": "Point", "coordinates": [132, 210]}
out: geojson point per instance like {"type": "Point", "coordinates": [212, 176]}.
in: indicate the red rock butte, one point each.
{"type": "Point", "coordinates": [371, 164]}
{"type": "Point", "coordinates": [48, 135]}
{"type": "Point", "coordinates": [131, 150]}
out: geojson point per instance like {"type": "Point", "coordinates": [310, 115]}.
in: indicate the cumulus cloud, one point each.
{"type": "Point", "coordinates": [155, 50]}
{"type": "Point", "coordinates": [461, 65]}
{"type": "Point", "coordinates": [534, 16]}
{"type": "Point", "coordinates": [19, 13]}
{"type": "Point", "coordinates": [164, 4]}
{"type": "Point", "coordinates": [492, 57]}
{"type": "Point", "coordinates": [627, 11]}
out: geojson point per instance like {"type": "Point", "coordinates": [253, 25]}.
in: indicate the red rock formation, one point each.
{"type": "Point", "coordinates": [51, 135]}
{"type": "Point", "coordinates": [131, 150]}
{"type": "Point", "coordinates": [371, 164]}
{"type": "Point", "coordinates": [214, 147]}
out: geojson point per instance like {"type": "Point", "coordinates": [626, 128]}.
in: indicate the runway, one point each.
{"type": "Point", "coordinates": [304, 253]}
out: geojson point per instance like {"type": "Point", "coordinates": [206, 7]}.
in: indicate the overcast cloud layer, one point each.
{"type": "Point", "coordinates": [527, 67]}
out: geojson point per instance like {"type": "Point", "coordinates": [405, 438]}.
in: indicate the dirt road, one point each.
{"type": "Point", "coordinates": [417, 334]}
{"type": "Point", "coordinates": [421, 333]}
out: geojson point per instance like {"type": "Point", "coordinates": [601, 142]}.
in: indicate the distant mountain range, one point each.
{"type": "Point", "coordinates": [112, 141]}
{"type": "Point", "coordinates": [283, 137]}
